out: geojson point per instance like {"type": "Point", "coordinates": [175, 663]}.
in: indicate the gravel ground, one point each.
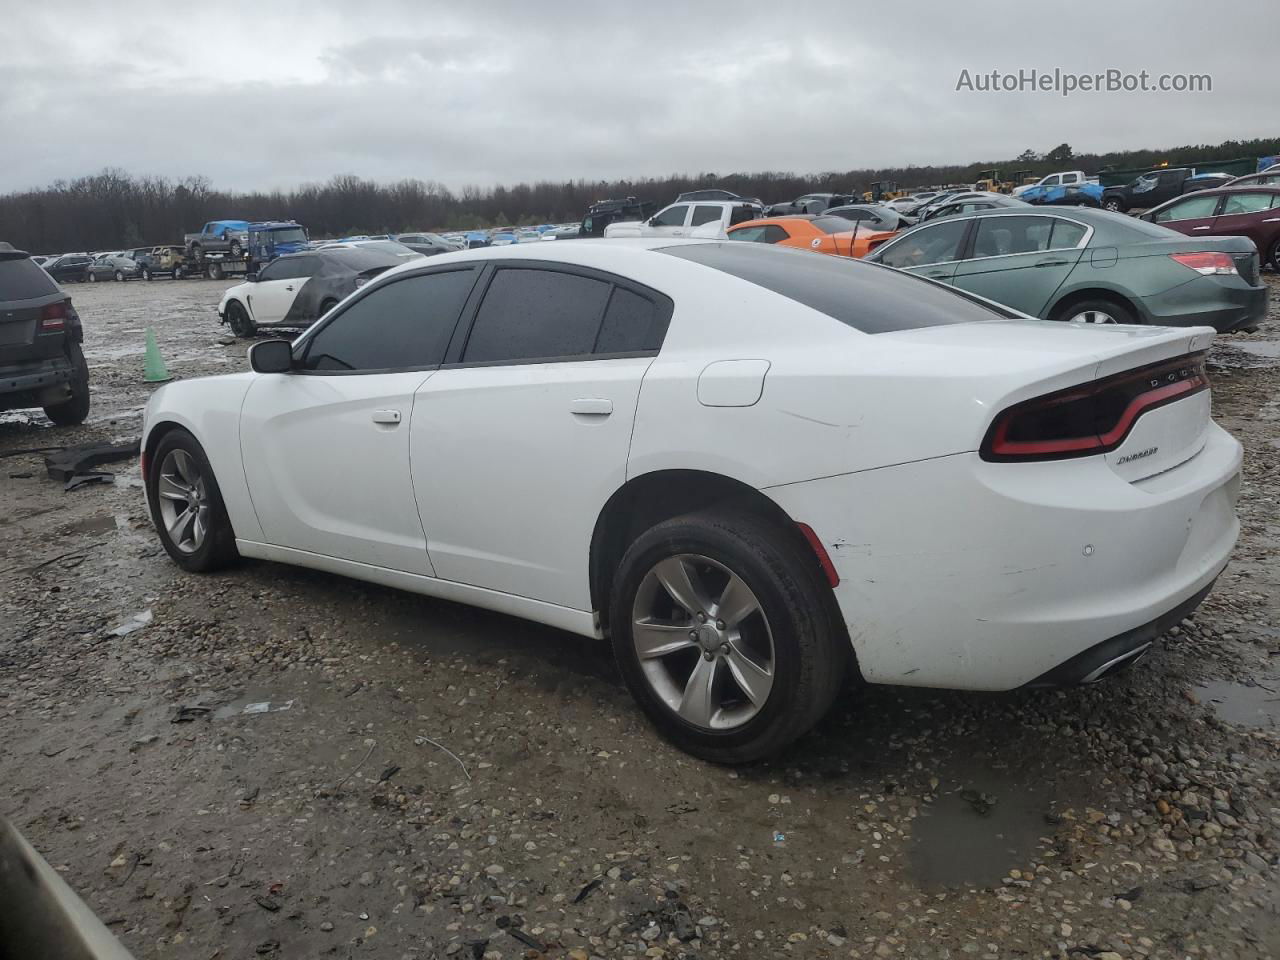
{"type": "Point", "coordinates": [432, 780]}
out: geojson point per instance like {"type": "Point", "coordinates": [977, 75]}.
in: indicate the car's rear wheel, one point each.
{"type": "Point", "coordinates": [73, 410]}
{"type": "Point", "coordinates": [1112, 204]}
{"type": "Point", "coordinates": [238, 319]}
{"type": "Point", "coordinates": [1095, 310]}
{"type": "Point", "coordinates": [177, 273]}
{"type": "Point", "coordinates": [327, 306]}
{"type": "Point", "coordinates": [236, 249]}
{"type": "Point", "coordinates": [1274, 256]}
{"type": "Point", "coordinates": [93, 277]}
{"type": "Point", "coordinates": [119, 275]}
{"type": "Point", "coordinates": [186, 505]}
{"type": "Point", "coordinates": [724, 634]}
{"type": "Point", "coordinates": [146, 274]}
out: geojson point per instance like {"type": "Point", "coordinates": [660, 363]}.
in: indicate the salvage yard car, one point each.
{"type": "Point", "coordinates": [293, 291]}
{"type": "Point", "coordinates": [1087, 266]}
{"type": "Point", "coordinates": [821, 234]}
{"type": "Point", "coordinates": [112, 266]}
{"type": "Point", "coordinates": [753, 469]}
{"type": "Point", "coordinates": [684, 219]}
{"type": "Point", "coordinates": [41, 360]}
{"type": "Point", "coordinates": [1243, 211]}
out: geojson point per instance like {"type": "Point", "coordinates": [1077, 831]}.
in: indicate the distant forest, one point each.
{"type": "Point", "coordinates": [115, 209]}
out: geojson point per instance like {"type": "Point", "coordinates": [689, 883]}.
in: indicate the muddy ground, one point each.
{"type": "Point", "coordinates": [432, 780]}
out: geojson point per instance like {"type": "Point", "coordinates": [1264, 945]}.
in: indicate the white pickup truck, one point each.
{"type": "Point", "coordinates": [1066, 178]}
{"type": "Point", "coordinates": [708, 219]}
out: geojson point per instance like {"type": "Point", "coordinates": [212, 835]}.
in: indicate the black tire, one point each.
{"type": "Point", "coordinates": [93, 277]}
{"type": "Point", "coordinates": [327, 305]}
{"type": "Point", "coordinates": [239, 321]}
{"type": "Point", "coordinates": [73, 410]}
{"type": "Point", "coordinates": [146, 273]}
{"type": "Point", "coordinates": [236, 249]}
{"type": "Point", "coordinates": [177, 273]}
{"type": "Point", "coordinates": [196, 252]}
{"type": "Point", "coordinates": [810, 653]}
{"type": "Point", "coordinates": [1274, 256]}
{"type": "Point", "coordinates": [119, 276]}
{"type": "Point", "coordinates": [219, 547]}
{"type": "Point", "coordinates": [215, 271]}
{"type": "Point", "coordinates": [1113, 204]}
{"type": "Point", "coordinates": [1120, 313]}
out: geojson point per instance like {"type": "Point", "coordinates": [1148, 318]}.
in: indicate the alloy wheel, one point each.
{"type": "Point", "coordinates": [1092, 316]}
{"type": "Point", "coordinates": [184, 501]}
{"type": "Point", "coordinates": [703, 642]}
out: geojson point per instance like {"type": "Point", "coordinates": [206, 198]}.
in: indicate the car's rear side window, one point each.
{"type": "Point", "coordinates": [632, 324]}
{"type": "Point", "coordinates": [531, 314]}
{"type": "Point", "coordinates": [21, 279]}
{"type": "Point", "coordinates": [864, 296]}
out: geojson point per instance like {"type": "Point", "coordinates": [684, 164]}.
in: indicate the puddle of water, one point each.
{"type": "Point", "coordinates": [1241, 704]}
{"type": "Point", "coordinates": [979, 830]}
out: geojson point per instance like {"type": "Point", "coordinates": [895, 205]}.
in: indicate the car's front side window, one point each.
{"type": "Point", "coordinates": [672, 216]}
{"type": "Point", "coordinates": [404, 324]}
{"type": "Point", "coordinates": [272, 271]}
{"type": "Point", "coordinates": [1189, 209]}
{"type": "Point", "coordinates": [933, 244]}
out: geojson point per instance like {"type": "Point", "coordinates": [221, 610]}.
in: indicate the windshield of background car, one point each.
{"type": "Point", "coordinates": [20, 279]}
{"type": "Point", "coordinates": [866, 297]}
{"type": "Point", "coordinates": [292, 235]}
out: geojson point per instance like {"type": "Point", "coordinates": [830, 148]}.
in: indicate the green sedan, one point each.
{"type": "Point", "coordinates": [1088, 266]}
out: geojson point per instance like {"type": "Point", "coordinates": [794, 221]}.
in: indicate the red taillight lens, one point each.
{"type": "Point", "coordinates": [53, 317]}
{"type": "Point", "coordinates": [1208, 264]}
{"type": "Point", "coordinates": [1093, 418]}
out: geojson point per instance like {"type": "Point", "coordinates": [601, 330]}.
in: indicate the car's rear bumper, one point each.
{"type": "Point", "coordinates": [959, 573]}
{"type": "Point", "coordinates": [1225, 304]}
{"type": "Point", "coordinates": [35, 384]}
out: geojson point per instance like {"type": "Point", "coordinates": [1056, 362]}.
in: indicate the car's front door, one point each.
{"type": "Point", "coordinates": [278, 285]}
{"type": "Point", "coordinates": [518, 445]}
{"type": "Point", "coordinates": [326, 446]}
{"type": "Point", "coordinates": [671, 222]}
{"type": "Point", "coordinates": [930, 251]}
{"type": "Point", "coordinates": [1021, 261]}
{"type": "Point", "coordinates": [1193, 216]}
{"type": "Point", "coordinates": [1249, 215]}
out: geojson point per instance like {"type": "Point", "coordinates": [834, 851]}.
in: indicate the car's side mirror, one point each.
{"type": "Point", "coordinates": [271, 356]}
{"type": "Point", "coordinates": [251, 277]}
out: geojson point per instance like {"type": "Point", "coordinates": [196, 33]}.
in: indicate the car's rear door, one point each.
{"type": "Point", "coordinates": [520, 440]}
{"type": "Point", "coordinates": [1021, 261]}
{"type": "Point", "coordinates": [1248, 215]}
{"type": "Point", "coordinates": [326, 446]}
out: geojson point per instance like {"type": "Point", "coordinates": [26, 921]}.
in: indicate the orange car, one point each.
{"type": "Point", "coordinates": [832, 235]}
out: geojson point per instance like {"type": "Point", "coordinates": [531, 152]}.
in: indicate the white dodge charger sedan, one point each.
{"type": "Point", "coordinates": [754, 470]}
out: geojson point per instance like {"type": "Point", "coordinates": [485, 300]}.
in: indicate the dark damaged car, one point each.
{"type": "Point", "coordinates": [41, 362]}
{"type": "Point", "coordinates": [296, 290]}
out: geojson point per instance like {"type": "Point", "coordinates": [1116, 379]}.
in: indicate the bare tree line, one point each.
{"type": "Point", "coordinates": [114, 209]}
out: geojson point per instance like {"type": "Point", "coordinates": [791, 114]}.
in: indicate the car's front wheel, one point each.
{"type": "Point", "coordinates": [1112, 204]}
{"type": "Point", "coordinates": [725, 634]}
{"type": "Point", "coordinates": [186, 505]}
{"type": "Point", "coordinates": [1274, 256]}
{"type": "Point", "coordinates": [238, 319]}
{"type": "Point", "coordinates": [119, 276]}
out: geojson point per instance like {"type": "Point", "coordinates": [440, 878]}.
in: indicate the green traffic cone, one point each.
{"type": "Point", "coordinates": [153, 368]}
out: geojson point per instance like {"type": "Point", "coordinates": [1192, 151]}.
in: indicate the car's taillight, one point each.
{"type": "Point", "coordinates": [53, 316]}
{"type": "Point", "coordinates": [1092, 418]}
{"type": "Point", "coordinates": [1207, 264]}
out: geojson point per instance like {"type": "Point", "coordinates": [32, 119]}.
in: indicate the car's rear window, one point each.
{"type": "Point", "coordinates": [834, 224]}
{"type": "Point", "coordinates": [23, 280]}
{"type": "Point", "coordinates": [864, 296]}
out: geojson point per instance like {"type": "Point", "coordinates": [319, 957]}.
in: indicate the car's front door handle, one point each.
{"type": "Point", "coordinates": [289, 288]}
{"type": "Point", "coordinates": [1272, 220]}
{"type": "Point", "coordinates": [386, 416]}
{"type": "Point", "coordinates": [1199, 228]}
{"type": "Point", "coordinates": [592, 406]}
{"type": "Point", "coordinates": [1053, 263]}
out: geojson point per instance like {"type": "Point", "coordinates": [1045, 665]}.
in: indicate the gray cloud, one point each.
{"type": "Point", "coordinates": [510, 91]}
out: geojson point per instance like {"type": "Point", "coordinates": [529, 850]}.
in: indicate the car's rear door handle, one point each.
{"type": "Point", "coordinates": [1200, 228]}
{"type": "Point", "coordinates": [592, 406]}
{"type": "Point", "coordinates": [386, 416]}
{"type": "Point", "coordinates": [1272, 220]}
{"type": "Point", "coordinates": [1053, 263]}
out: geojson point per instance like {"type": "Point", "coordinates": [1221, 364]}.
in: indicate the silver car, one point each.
{"type": "Point", "coordinates": [116, 265]}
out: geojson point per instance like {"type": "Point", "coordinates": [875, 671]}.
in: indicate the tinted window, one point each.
{"type": "Point", "coordinates": [295, 268]}
{"type": "Point", "coordinates": [742, 215]}
{"type": "Point", "coordinates": [1066, 234]}
{"type": "Point", "coordinates": [1189, 209]}
{"type": "Point", "coordinates": [671, 217]}
{"type": "Point", "coordinates": [406, 323]}
{"type": "Point", "coordinates": [276, 270]}
{"type": "Point", "coordinates": [1246, 203]}
{"type": "Point", "coordinates": [535, 314]}
{"type": "Point", "coordinates": [933, 244]}
{"type": "Point", "coordinates": [767, 233]}
{"type": "Point", "coordinates": [23, 280]}
{"type": "Point", "coordinates": [632, 323]}
{"type": "Point", "coordinates": [703, 215]}
{"type": "Point", "coordinates": [861, 295]}
{"type": "Point", "coordinates": [832, 224]}
{"type": "Point", "coordinates": [1002, 236]}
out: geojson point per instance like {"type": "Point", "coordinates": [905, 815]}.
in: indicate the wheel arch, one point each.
{"type": "Point", "coordinates": [1072, 297]}
{"type": "Point", "coordinates": [650, 498]}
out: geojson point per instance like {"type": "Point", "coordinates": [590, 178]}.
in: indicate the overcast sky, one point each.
{"type": "Point", "coordinates": [491, 91]}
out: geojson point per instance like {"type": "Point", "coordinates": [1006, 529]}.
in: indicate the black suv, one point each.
{"type": "Point", "coordinates": [41, 363]}
{"type": "Point", "coordinates": [601, 214]}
